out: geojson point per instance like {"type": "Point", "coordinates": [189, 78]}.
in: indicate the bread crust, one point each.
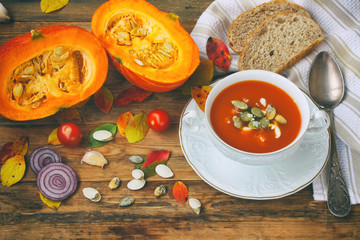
{"type": "Point", "coordinates": [291, 61]}
{"type": "Point", "coordinates": [245, 15]}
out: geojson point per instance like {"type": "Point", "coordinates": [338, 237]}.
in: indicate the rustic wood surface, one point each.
{"type": "Point", "coordinates": [24, 216]}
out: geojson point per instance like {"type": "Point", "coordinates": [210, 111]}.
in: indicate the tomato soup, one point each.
{"type": "Point", "coordinates": [229, 117]}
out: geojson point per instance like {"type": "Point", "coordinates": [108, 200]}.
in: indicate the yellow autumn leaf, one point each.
{"type": "Point", "coordinates": [50, 203]}
{"type": "Point", "coordinates": [48, 6]}
{"type": "Point", "coordinates": [13, 170]}
{"type": "Point", "coordinates": [53, 138]}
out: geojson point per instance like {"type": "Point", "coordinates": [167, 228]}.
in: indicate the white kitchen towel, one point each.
{"type": "Point", "coordinates": [340, 22]}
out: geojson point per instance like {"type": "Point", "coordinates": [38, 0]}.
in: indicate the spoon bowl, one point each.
{"type": "Point", "coordinates": [327, 88]}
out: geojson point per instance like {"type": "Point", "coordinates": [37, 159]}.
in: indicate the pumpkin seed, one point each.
{"type": "Point", "coordinates": [246, 116]}
{"type": "Point", "coordinates": [264, 123]}
{"type": "Point", "coordinates": [160, 190]}
{"type": "Point", "coordinates": [280, 119]}
{"type": "Point", "coordinates": [257, 112]}
{"type": "Point", "coordinates": [270, 112]}
{"type": "Point", "coordinates": [164, 171]}
{"type": "Point", "coordinates": [92, 194]}
{"type": "Point", "coordinates": [254, 124]}
{"type": "Point", "coordinates": [136, 184]}
{"type": "Point", "coordinates": [138, 62]}
{"type": "Point", "coordinates": [136, 159]}
{"type": "Point", "coordinates": [114, 183]}
{"type": "Point", "coordinates": [237, 122]}
{"type": "Point", "coordinates": [138, 174]}
{"type": "Point", "coordinates": [18, 91]}
{"type": "Point", "coordinates": [103, 136]}
{"type": "Point", "coordinates": [239, 104]}
{"type": "Point", "coordinates": [126, 201]}
{"type": "Point", "coordinates": [263, 102]}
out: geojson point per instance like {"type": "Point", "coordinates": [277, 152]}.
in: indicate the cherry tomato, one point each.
{"type": "Point", "coordinates": [158, 120]}
{"type": "Point", "coordinates": [69, 134]}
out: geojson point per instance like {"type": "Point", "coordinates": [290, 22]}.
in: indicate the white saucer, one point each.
{"type": "Point", "coordinates": [273, 181]}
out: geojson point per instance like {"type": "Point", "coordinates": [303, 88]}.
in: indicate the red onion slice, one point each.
{"type": "Point", "coordinates": [57, 181]}
{"type": "Point", "coordinates": [43, 156]}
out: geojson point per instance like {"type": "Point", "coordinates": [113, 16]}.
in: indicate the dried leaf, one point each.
{"type": "Point", "coordinates": [123, 121]}
{"type": "Point", "coordinates": [180, 192]}
{"type": "Point", "coordinates": [132, 94]}
{"type": "Point", "coordinates": [17, 147]}
{"type": "Point", "coordinates": [202, 76]}
{"type": "Point", "coordinates": [107, 126]}
{"type": "Point", "coordinates": [218, 52]}
{"type": "Point", "coordinates": [50, 203]}
{"type": "Point", "coordinates": [68, 114]}
{"type": "Point", "coordinates": [13, 170]}
{"type": "Point", "coordinates": [153, 159]}
{"type": "Point", "coordinates": [200, 94]}
{"type": "Point", "coordinates": [137, 128]}
{"type": "Point", "coordinates": [53, 138]}
{"type": "Point", "coordinates": [80, 104]}
{"type": "Point", "coordinates": [48, 6]}
{"type": "Point", "coordinates": [104, 99]}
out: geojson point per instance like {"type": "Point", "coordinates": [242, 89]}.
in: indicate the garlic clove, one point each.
{"type": "Point", "coordinates": [92, 194]}
{"type": "Point", "coordinates": [195, 204]}
{"type": "Point", "coordinates": [138, 174]}
{"type": "Point", "coordinates": [102, 136]}
{"type": "Point", "coordinates": [4, 14]}
{"type": "Point", "coordinates": [94, 158]}
{"type": "Point", "coordinates": [114, 183]}
{"type": "Point", "coordinates": [164, 171]}
{"type": "Point", "coordinates": [136, 184]}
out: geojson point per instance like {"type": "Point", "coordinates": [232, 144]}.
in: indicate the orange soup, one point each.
{"type": "Point", "coordinates": [255, 116]}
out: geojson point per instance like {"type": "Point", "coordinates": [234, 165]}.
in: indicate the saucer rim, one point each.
{"type": "Point", "coordinates": [249, 196]}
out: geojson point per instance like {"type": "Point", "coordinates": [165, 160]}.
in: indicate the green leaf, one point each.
{"type": "Point", "coordinates": [137, 128]}
{"type": "Point", "coordinates": [107, 126]}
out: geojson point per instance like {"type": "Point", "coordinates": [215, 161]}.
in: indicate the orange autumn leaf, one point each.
{"type": "Point", "coordinates": [180, 192]}
{"type": "Point", "coordinates": [53, 138]}
{"type": "Point", "coordinates": [123, 121]}
{"type": "Point", "coordinates": [104, 99]}
{"type": "Point", "coordinates": [68, 114]}
{"type": "Point", "coordinates": [200, 94]}
{"type": "Point", "coordinates": [17, 147]}
{"type": "Point", "coordinates": [13, 170]}
{"type": "Point", "coordinates": [218, 52]}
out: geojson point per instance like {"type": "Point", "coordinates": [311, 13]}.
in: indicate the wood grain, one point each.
{"type": "Point", "coordinates": [24, 216]}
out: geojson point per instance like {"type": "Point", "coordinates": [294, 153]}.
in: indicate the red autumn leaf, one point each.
{"type": "Point", "coordinates": [17, 147]}
{"type": "Point", "coordinates": [68, 114]}
{"type": "Point", "coordinates": [104, 99]}
{"type": "Point", "coordinates": [218, 52]}
{"type": "Point", "coordinates": [180, 192]}
{"type": "Point", "coordinates": [132, 94]}
{"type": "Point", "coordinates": [156, 156]}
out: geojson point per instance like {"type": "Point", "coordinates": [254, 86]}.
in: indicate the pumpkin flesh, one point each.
{"type": "Point", "coordinates": [151, 48]}
{"type": "Point", "coordinates": [58, 69]}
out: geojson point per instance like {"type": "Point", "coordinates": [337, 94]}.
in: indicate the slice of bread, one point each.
{"type": "Point", "coordinates": [280, 41]}
{"type": "Point", "coordinates": [246, 22]}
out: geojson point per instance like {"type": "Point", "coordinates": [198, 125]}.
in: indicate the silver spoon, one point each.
{"type": "Point", "coordinates": [326, 85]}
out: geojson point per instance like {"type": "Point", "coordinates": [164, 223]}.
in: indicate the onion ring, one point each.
{"type": "Point", "coordinates": [43, 156]}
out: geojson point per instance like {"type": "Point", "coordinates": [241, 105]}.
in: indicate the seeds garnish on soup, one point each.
{"type": "Point", "coordinates": [255, 116]}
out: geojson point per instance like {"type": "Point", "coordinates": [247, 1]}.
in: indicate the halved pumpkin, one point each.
{"type": "Point", "coordinates": [54, 67]}
{"type": "Point", "coordinates": [148, 46]}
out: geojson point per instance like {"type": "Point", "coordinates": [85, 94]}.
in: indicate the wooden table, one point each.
{"type": "Point", "coordinates": [24, 216]}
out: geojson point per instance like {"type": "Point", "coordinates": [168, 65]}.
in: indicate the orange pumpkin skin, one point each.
{"type": "Point", "coordinates": [25, 47]}
{"type": "Point", "coordinates": [147, 77]}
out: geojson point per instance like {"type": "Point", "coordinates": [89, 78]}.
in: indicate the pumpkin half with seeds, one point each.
{"type": "Point", "coordinates": [149, 47]}
{"type": "Point", "coordinates": [51, 68]}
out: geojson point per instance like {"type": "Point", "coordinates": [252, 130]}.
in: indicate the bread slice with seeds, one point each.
{"type": "Point", "coordinates": [280, 41]}
{"type": "Point", "coordinates": [246, 22]}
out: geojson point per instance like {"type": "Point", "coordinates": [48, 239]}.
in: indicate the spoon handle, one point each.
{"type": "Point", "coordinates": [338, 195]}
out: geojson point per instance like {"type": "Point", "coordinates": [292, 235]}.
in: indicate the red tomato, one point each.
{"type": "Point", "coordinates": [158, 120]}
{"type": "Point", "coordinates": [69, 134]}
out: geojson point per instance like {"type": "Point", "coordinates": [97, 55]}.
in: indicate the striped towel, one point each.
{"type": "Point", "coordinates": [340, 21]}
